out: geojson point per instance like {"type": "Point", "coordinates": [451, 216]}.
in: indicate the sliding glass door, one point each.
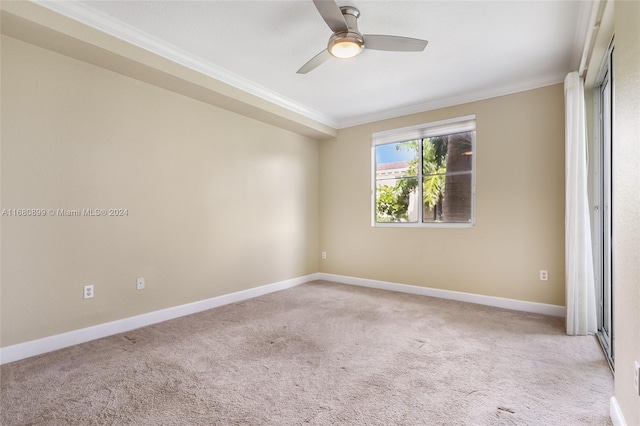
{"type": "Point", "coordinates": [603, 213]}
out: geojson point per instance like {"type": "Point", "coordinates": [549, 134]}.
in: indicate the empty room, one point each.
{"type": "Point", "coordinates": [320, 212]}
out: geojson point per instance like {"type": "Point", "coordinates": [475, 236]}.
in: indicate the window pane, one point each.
{"type": "Point", "coordinates": [434, 155]}
{"type": "Point", "coordinates": [446, 186]}
{"type": "Point", "coordinates": [456, 204]}
{"type": "Point", "coordinates": [397, 159]}
{"type": "Point", "coordinates": [397, 200]}
{"type": "Point", "coordinates": [459, 152]}
{"type": "Point", "coordinates": [433, 196]}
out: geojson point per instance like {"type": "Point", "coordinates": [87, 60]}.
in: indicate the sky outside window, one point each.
{"type": "Point", "coordinates": [389, 153]}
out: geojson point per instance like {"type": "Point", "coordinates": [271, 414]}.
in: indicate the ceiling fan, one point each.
{"type": "Point", "coordinates": [347, 42]}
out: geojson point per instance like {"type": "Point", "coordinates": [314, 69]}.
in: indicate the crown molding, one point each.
{"type": "Point", "coordinates": [120, 30]}
{"type": "Point", "coordinates": [480, 95]}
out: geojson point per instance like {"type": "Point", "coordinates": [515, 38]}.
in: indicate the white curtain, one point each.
{"type": "Point", "coordinates": [580, 287]}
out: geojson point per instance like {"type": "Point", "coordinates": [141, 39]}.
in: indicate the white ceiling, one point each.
{"type": "Point", "coordinates": [477, 49]}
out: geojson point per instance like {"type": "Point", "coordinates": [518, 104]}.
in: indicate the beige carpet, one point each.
{"type": "Point", "coordinates": [321, 354]}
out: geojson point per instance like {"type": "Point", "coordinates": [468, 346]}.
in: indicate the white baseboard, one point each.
{"type": "Point", "coordinates": [498, 302]}
{"type": "Point", "coordinates": [616, 413]}
{"type": "Point", "coordinates": [59, 341]}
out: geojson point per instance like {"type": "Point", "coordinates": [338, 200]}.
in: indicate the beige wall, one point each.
{"type": "Point", "coordinates": [626, 205]}
{"type": "Point", "coordinates": [520, 206]}
{"type": "Point", "coordinates": [217, 202]}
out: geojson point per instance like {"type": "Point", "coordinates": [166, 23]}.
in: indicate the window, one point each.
{"type": "Point", "coordinates": [425, 175]}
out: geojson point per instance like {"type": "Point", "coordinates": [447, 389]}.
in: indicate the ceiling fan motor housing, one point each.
{"type": "Point", "coordinates": [346, 44]}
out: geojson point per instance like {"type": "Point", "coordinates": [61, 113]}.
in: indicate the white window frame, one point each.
{"type": "Point", "coordinates": [421, 131]}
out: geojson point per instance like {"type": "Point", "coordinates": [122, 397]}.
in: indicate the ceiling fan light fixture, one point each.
{"type": "Point", "coordinates": [347, 41]}
{"type": "Point", "coordinates": [346, 46]}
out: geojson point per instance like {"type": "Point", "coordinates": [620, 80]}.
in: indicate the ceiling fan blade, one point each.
{"type": "Point", "coordinates": [332, 15]}
{"type": "Point", "coordinates": [315, 62]}
{"type": "Point", "coordinates": [394, 43]}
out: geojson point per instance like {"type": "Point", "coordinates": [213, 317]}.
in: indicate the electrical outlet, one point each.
{"type": "Point", "coordinates": [140, 284]}
{"type": "Point", "coordinates": [324, 254]}
{"type": "Point", "coordinates": [544, 275]}
{"type": "Point", "coordinates": [636, 377]}
{"type": "Point", "coordinates": [88, 291]}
